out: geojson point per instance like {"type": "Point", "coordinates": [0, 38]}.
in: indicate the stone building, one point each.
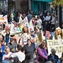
{"type": "Point", "coordinates": [3, 4]}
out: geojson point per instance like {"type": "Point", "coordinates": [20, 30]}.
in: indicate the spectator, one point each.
{"type": "Point", "coordinates": [29, 51]}
{"type": "Point", "coordinates": [4, 12]}
{"type": "Point", "coordinates": [41, 54]}
{"type": "Point", "coordinates": [45, 13]}
{"type": "Point", "coordinates": [53, 23]}
{"type": "Point", "coordinates": [29, 16]}
{"type": "Point", "coordinates": [48, 20]}
{"type": "Point", "coordinates": [39, 23]}
{"type": "Point", "coordinates": [53, 57]}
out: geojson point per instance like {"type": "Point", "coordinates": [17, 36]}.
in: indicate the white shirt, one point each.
{"type": "Point", "coordinates": [6, 55]}
{"type": "Point", "coordinates": [25, 36]}
{"type": "Point", "coordinates": [53, 20]}
{"type": "Point", "coordinates": [39, 22]}
{"type": "Point", "coordinates": [48, 18]}
{"type": "Point", "coordinates": [20, 55]}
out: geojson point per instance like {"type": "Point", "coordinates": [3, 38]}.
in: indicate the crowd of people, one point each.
{"type": "Point", "coordinates": [29, 45]}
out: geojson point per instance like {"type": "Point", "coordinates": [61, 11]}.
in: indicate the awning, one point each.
{"type": "Point", "coordinates": [43, 0]}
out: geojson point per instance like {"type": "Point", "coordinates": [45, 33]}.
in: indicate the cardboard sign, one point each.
{"type": "Point", "coordinates": [57, 45]}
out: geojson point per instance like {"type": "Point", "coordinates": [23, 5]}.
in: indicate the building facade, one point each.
{"type": "Point", "coordinates": [3, 4]}
{"type": "Point", "coordinates": [40, 5]}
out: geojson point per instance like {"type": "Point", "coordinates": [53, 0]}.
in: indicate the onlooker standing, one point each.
{"type": "Point", "coordinates": [53, 23]}
{"type": "Point", "coordinates": [44, 20]}
{"type": "Point", "coordinates": [39, 23]}
{"type": "Point", "coordinates": [29, 16]}
{"type": "Point", "coordinates": [48, 20]}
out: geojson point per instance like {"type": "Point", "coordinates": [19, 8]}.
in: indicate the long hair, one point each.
{"type": "Point", "coordinates": [23, 30]}
{"type": "Point", "coordinates": [41, 45]}
{"type": "Point", "coordinates": [62, 34]}
{"type": "Point", "coordinates": [56, 34]}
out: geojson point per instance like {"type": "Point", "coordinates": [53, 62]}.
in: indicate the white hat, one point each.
{"type": "Point", "coordinates": [58, 28]}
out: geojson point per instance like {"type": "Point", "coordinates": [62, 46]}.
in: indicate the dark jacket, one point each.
{"type": "Point", "coordinates": [53, 59]}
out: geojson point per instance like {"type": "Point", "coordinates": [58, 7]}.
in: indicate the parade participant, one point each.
{"type": "Point", "coordinates": [61, 59]}
{"type": "Point", "coordinates": [20, 43]}
{"type": "Point", "coordinates": [1, 38]}
{"type": "Point", "coordinates": [62, 30]}
{"type": "Point", "coordinates": [58, 33]}
{"type": "Point", "coordinates": [7, 55]}
{"type": "Point", "coordinates": [41, 54]}
{"type": "Point", "coordinates": [7, 34]}
{"type": "Point", "coordinates": [12, 44]}
{"type": "Point", "coordinates": [34, 38]}
{"type": "Point", "coordinates": [53, 57]}
{"type": "Point", "coordinates": [25, 35]}
{"type": "Point", "coordinates": [11, 18]}
{"type": "Point", "coordinates": [47, 35]}
{"type": "Point", "coordinates": [29, 51]}
{"type": "Point", "coordinates": [0, 52]}
{"type": "Point", "coordinates": [39, 34]}
{"type": "Point", "coordinates": [19, 56]}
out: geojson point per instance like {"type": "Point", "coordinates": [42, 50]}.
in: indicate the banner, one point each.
{"type": "Point", "coordinates": [57, 45]}
{"type": "Point", "coordinates": [3, 19]}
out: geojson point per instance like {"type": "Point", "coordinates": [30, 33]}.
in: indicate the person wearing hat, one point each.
{"type": "Point", "coordinates": [58, 33]}
{"type": "Point", "coordinates": [53, 57]}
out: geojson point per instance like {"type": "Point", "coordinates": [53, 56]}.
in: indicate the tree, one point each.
{"type": "Point", "coordinates": [57, 2]}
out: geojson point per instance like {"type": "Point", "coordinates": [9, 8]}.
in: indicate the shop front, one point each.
{"type": "Point", "coordinates": [40, 5]}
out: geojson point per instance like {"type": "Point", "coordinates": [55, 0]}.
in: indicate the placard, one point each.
{"type": "Point", "coordinates": [57, 45]}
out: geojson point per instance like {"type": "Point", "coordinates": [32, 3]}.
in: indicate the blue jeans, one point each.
{"type": "Point", "coordinates": [6, 61]}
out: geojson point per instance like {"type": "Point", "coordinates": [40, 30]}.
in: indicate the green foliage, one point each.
{"type": "Point", "coordinates": [57, 2]}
